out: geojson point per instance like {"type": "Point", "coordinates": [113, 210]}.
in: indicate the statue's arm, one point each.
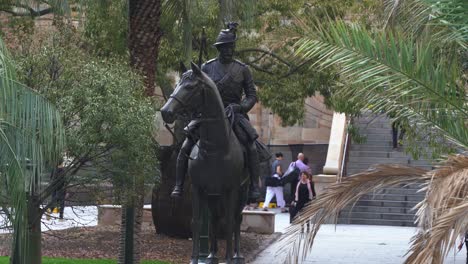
{"type": "Point", "coordinates": [249, 90]}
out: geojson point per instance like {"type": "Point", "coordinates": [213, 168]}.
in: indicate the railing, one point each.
{"type": "Point", "coordinates": [345, 152]}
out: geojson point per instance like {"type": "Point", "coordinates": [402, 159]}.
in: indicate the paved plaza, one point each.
{"type": "Point", "coordinates": [352, 244]}
{"type": "Point", "coordinates": [77, 216]}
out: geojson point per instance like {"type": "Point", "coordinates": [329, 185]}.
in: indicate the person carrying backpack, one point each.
{"type": "Point", "coordinates": [273, 183]}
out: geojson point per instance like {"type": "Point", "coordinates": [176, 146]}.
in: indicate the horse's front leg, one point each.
{"type": "Point", "coordinates": [212, 258]}
{"type": "Point", "coordinates": [195, 225]}
{"type": "Point", "coordinates": [230, 212]}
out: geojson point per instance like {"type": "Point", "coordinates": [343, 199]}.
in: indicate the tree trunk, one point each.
{"type": "Point", "coordinates": [130, 231]}
{"type": "Point", "coordinates": [144, 38]}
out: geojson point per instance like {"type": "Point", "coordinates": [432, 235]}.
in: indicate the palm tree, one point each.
{"type": "Point", "coordinates": [413, 68]}
{"type": "Point", "coordinates": [31, 135]}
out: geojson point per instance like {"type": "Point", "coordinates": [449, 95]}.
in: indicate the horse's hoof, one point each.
{"type": "Point", "coordinates": [238, 259]}
{"type": "Point", "coordinates": [194, 261]}
{"type": "Point", "coordinates": [212, 260]}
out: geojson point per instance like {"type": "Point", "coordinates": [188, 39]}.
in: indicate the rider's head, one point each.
{"type": "Point", "coordinates": [226, 43]}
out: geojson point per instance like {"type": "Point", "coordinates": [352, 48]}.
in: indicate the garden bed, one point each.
{"type": "Point", "coordinates": [103, 243]}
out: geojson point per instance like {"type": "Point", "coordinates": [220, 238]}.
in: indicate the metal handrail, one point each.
{"type": "Point", "coordinates": [345, 151]}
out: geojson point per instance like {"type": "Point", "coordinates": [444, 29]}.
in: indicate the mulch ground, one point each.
{"type": "Point", "coordinates": [103, 242]}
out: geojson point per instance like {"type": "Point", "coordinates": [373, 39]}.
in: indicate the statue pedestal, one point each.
{"type": "Point", "coordinates": [262, 222]}
{"type": "Point", "coordinates": [111, 215]}
{"type": "Point", "coordinates": [322, 181]}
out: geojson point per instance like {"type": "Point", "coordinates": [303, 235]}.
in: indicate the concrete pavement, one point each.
{"type": "Point", "coordinates": [352, 244]}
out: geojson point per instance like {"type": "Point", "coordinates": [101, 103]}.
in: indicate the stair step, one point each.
{"type": "Point", "coordinates": [377, 209]}
{"type": "Point", "coordinates": [386, 203]}
{"type": "Point", "coordinates": [375, 222]}
{"type": "Point", "coordinates": [377, 154]}
{"type": "Point", "coordinates": [365, 147]}
{"type": "Point", "coordinates": [402, 191]}
{"type": "Point", "coordinates": [393, 197]}
{"type": "Point", "coordinates": [377, 143]}
{"type": "Point", "coordinates": [379, 160]}
{"type": "Point", "coordinates": [379, 216]}
{"type": "Point", "coordinates": [358, 168]}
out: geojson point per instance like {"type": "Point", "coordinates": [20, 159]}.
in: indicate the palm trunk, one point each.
{"type": "Point", "coordinates": [144, 38]}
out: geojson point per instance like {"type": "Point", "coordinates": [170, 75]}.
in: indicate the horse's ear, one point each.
{"type": "Point", "coordinates": [195, 68]}
{"type": "Point", "coordinates": [182, 67]}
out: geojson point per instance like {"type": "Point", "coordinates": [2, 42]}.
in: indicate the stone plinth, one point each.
{"type": "Point", "coordinates": [262, 222]}
{"type": "Point", "coordinates": [322, 181]}
{"type": "Point", "coordinates": [112, 214]}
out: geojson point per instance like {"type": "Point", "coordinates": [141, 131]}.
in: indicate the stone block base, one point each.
{"type": "Point", "coordinates": [112, 214]}
{"type": "Point", "coordinates": [262, 222]}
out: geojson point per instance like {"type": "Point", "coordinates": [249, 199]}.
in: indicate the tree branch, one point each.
{"type": "Point", "coordinates": [29, 11]}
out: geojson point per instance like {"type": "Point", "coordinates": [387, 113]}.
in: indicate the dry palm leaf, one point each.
{"type": "Point", "coordinates": [433, 245]}
{"type": "Point", "coordinates": [337, 197]}
{"type": "Point", "coordinates": [447, 182]}
{"type": "Point", "coordinates": [444, 208]}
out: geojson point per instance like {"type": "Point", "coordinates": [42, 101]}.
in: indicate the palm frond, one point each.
{"type": "Point", "coordinates": [451, 17]}
{"type": "Point", "coordinates": [339, 195]}
{"type": "Point", "coordinates": [384, 67]}
{"type": "Point", "coordinates": [446, 19]}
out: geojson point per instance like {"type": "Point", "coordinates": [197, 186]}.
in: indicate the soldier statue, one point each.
{"type": "Point", "coordinates": [236, 87]}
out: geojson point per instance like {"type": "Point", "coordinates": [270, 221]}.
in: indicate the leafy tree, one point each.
{"type": "Point", "coordinates": [31, 134]}
{"type": "Point", "coordinates": [413, 69]}
{"type": "Point", "coordinates": [108, 120]}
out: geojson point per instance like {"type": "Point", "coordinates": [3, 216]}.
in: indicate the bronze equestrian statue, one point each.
{"type": "Point", "coordinates": [233, 80]}
{"type": "Point", "coordinates": [217, 162]}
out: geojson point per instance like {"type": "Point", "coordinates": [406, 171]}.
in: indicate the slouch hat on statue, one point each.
{"type": "Point", "coordinates": [227, 35]}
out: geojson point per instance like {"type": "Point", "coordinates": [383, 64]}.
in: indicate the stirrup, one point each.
{"type": "Point", "coordinates": [177, 192]}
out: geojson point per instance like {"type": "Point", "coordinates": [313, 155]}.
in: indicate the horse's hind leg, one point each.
{"type": "Point", "coordinates": [195, 225]}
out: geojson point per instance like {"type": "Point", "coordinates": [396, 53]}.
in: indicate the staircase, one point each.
{"type": "Point", "coordinates": [389, 206]}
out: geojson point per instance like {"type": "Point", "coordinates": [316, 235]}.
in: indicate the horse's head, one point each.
{"type": "Point", "coordinates": [187, 97]}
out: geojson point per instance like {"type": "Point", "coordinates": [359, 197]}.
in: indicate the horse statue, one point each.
{"type": "Point", "coordinates": [217, 163]}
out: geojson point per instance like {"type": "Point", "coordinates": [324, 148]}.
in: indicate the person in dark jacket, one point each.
{"type": "Point", "coordinates": [305, 192]}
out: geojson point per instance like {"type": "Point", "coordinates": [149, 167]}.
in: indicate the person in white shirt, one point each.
{"type": "Point", "coordinates": [273, 185]}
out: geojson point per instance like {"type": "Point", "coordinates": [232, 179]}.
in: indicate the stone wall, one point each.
{"type": "Point", "coordinates": [315, 128]}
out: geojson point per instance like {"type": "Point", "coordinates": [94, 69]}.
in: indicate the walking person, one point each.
{"type": "Point", "coordinates": [58, 195]}
{"type": "Point", "coordinates": [274, 187]}
{"type": "Point", "coordinates": [305, 192]}
{"type": "Point", "coordinates": [464, 240]}
{"type": "Point", "coordinates": [397, 140]}
{"type": "Point", "coordinates": [299, 163]}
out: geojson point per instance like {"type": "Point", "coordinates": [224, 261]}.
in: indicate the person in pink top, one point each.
{"type": "Point", "coordinates": [305, 192]}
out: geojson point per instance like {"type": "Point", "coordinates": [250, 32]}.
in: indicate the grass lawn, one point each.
{"type": "Point", "coordinates": [6, 260]}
